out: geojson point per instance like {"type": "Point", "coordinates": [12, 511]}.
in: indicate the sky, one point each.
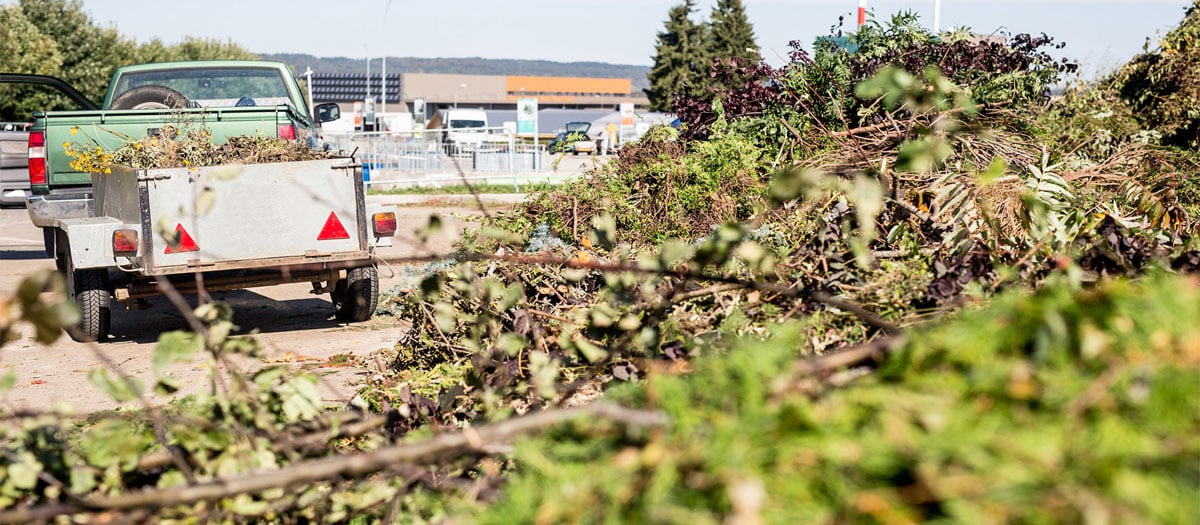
{"type": "Point", "coordinates": [1100, 34]}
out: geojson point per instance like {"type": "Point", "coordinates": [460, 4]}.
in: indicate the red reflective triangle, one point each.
{"type": "Point", "coordinates": [183, 242]}
{"type": "Point", "coordinates": [333, 229]}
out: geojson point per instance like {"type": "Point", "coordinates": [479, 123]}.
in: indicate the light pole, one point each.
{"type": "Point", "coordinates": [308, 73]}
{"type": "Point", "coordinates": [461, 87]}
{"type": "Point", "coordinates": [383, 62]}
{"type": "Point", "coordinates": [937, 16]}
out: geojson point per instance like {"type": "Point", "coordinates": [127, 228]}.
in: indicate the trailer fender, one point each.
{"type": "Point", "coordinates": [90, 241]}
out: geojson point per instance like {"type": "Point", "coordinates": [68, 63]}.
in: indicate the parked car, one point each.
{"type": "Point", "coordinates": [574, 139]}
{"type": "Point", "coordinates": [14, 163]}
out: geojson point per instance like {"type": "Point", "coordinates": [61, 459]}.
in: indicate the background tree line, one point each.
{"type": "Point", "coordinates": [58, 38]}
{"type": "Point", "coordinates": [687, 49]}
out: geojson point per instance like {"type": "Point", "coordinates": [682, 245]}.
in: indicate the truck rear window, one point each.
{"type": "Point", "coordinates": [214, 87]}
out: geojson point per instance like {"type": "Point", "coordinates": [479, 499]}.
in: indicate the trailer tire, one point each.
{"type": "Point", "coordinates": [356, 296]}
{"type": "Point", "coordinates": [89, 289]}
{"type": "Point", "coordinates": [48, 241]}
{"type": "Point", "coordinates": [150, 97]}
{"type": "Point", "coordinates": [61, 250]}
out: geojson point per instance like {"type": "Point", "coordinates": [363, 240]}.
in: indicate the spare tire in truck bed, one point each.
{"type": "Point", "coordinates": [150, 97]}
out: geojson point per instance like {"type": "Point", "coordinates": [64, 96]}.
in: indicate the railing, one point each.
{"type": "Point", "coordinates": [437, 157]}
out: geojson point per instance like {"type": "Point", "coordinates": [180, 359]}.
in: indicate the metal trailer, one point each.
{"type": "Point", "coordinates": [229, 227]}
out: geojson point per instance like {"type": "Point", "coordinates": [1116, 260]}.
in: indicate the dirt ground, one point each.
{"type": "Point", "coordinates": [292, 325]}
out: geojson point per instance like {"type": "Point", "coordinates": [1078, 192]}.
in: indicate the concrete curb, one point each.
{"type": "Point", "coordinates": [438, 200]}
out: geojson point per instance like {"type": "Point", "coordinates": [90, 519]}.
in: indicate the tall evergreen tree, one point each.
{"type": "Point", "coordinates": [731, 35]}
{"type": "Point", "coordinates": [680, 59]}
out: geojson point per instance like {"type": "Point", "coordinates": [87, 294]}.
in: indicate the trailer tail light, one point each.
{"type": "Point", "coordinates": [125, 243]}
{"type": "Point", "coordinates": [287, 131]}
{"type": "Point", "coordinates": [385, 223]}
{"type": "Point", "coordinates": [37, 158]}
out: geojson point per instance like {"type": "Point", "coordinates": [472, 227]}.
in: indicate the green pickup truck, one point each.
{"type": "Point", "coordinates": [230, 98]}
{"type": "Point", "coordinates": [125, 233]}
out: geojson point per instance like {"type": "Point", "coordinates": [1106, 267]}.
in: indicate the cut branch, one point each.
{"type": "Point", "coordinates": [473, 440]}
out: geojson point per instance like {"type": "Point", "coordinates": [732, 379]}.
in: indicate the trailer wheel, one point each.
{"type": "Point", "coordinates": [48, 241]}
{"type": "Point", "coordinates": [150, 97]}
{"type": "Point", "coordinates": [356, 296]}
{"type": "Point", "coordinates": [61, 249]}
{"type": "Point", "coordinates": [89, 289]}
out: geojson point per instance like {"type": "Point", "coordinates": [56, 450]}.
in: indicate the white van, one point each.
{"type": "Point", "coordinates": [462, 129]}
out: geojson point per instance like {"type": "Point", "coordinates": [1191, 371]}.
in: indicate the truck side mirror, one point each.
{"type": "Point", "coordinates": [328, 112]}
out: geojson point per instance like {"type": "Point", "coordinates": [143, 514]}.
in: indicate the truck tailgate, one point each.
{"type": "Point", "coordinates": [241, 216]}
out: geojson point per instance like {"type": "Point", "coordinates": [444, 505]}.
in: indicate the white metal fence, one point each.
{"type": "Point", "coordinates": [435, 157]}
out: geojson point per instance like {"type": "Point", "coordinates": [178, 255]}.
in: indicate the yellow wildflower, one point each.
{"type": "Point", "coordinates": [74, 129]}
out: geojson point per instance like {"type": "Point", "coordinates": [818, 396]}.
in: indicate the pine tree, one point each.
{"type": "Point", "coordinates": [732, 36]}
{"type": "Point", "coordinates": [680, 59]}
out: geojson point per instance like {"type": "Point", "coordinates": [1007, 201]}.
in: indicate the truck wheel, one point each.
{"type": "Point", "coordinates": [89, 289]}
{"type": "Point", "coordinates": [356, 296]}
{"type": "Point", "coordinates": [150, 97]}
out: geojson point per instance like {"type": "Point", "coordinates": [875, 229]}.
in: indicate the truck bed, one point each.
{"type": "Point", "coordinates": [112, 128]}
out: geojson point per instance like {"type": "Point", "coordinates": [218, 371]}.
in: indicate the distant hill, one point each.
{"type": "Point", "coordinates": [469, 66]}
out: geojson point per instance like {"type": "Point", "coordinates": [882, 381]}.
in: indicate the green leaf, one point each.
{"type": "Point", "coordinates": [922, 155]}
{"type": "Point", "coordinates": [545, 374]}
{"type": "Point", "coordinates": [432, 228]}
{"type": "Point", "coordinates": [446, 317]}
{"type": "Point", "coordinates": [173, 348]}
{"type": "Point", "coordinates": [205, 201]}
{"type": "Point", "coordinates": [116, 442]}
{"type": "Point", "coordinates": [225, 172]}
{"type": "Point", "coordinates": [300, 398]}
{"type": "Point", "coordinates": [793, 183]}
{"type": "Point", "coordinates": [83, 480]}
{"type": "Point", "coordinates": [994, 171]}
{"type": "Point", "coordinates": [431, 287]}
{"type": "Point", "coordinates": [604, 231]}
{"type": "Point", "coordinates": [500, 234]}
{"type": "Point", "coordinates": [171, 478]}
{"type": "Point", "coordinates": [7, 381]}
{"type": "Point", "coordinates": [512, 295]}
{"type": "Point", "coordinates": [510, 343]}
{"type": "Point", "coordinates": [23, 474]}
{"type": "Point", "coordinates": [590, 351]}
{"type": "Point", "coordinates": [120, 390]}
{"type": "Point", "coordinates": [246, 505]}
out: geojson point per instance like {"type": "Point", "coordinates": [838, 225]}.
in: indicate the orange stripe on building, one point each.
{"type": "Point", "coordinates": [609, 86]}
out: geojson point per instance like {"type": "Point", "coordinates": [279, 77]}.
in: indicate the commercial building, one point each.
{"type": "Point", "coordinates": [431, 91]}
